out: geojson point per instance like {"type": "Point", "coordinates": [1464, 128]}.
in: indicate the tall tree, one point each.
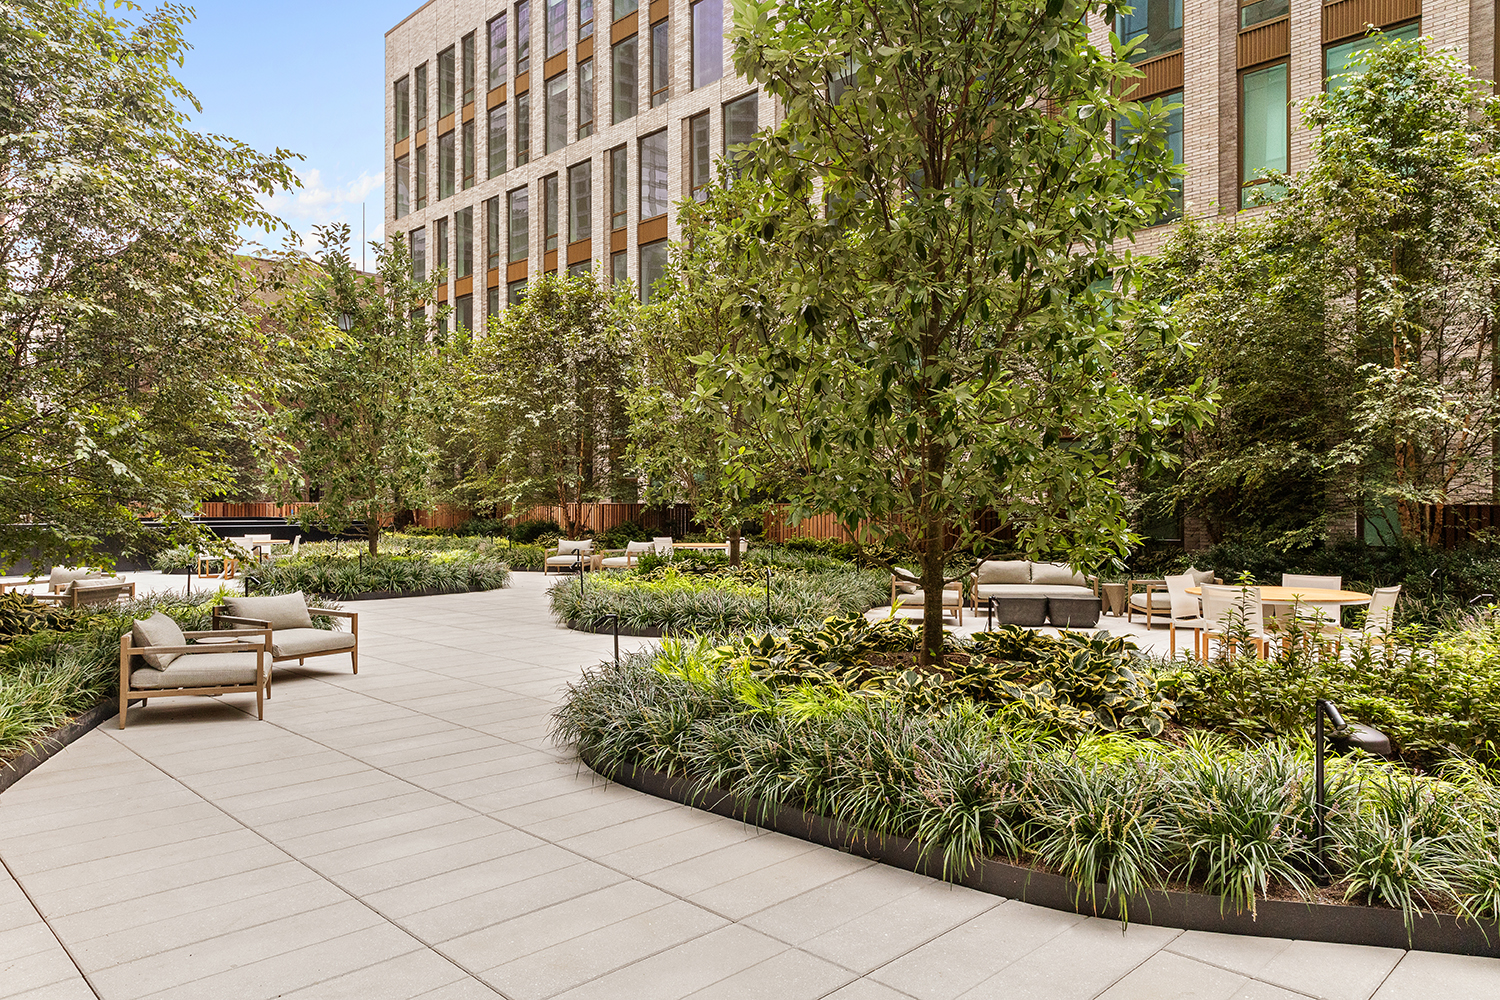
{"type": "Point", "coordinates": [129, 357]}
{"type": "Point", "coordinates": [545, 414]}
{"type": "Point", "coordinates": [943, 200]}
{"type": "Point", "coordinates": [360, 386]}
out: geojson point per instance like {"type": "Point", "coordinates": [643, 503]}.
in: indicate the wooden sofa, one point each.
{"type": "Point", "coordinates": [289, 622]}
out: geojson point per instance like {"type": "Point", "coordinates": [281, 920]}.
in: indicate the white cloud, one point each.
{"type": "Point", "coordinates": [318, 203]}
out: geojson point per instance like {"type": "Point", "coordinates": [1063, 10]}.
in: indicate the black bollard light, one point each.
{"type": "Point", "coordinates": [1321, 708]}
{"type": "Point", "coordinates": [578, 563]}
{"type": "Point", "coordinates": [768, 596]}
{"type": "Point", "coordinates": [614, 620]}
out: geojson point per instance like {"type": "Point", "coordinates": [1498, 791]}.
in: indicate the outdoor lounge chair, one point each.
{"type": "Point", "coordinates": [159, 660]}
{"type": "Point", "coordinates": [1155, 601]}
{"type": "Point", "coordinates": [633, 552]}
{"type": "Point", "coordinates": [569, 555]}
{"type": "Point", "coordinates": [63, 577]}
{"type": "Point", "coordinates": [1184, 611]}
{"type": "Point", "coordinates": [88, 593]}
{"type": "Point", "coordinates": [906, 588]}
{"type": "Point", "coordinates": [288, 620]}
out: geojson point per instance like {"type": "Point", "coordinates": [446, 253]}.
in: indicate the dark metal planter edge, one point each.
{"type": "Point", "coordinates": [1338, 924]}
{"type": "Point", "coordinates": [17, 768]}
{"type": "Point", "coordinates": [649, 632]}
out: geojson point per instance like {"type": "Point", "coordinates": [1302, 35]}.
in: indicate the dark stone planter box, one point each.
{"type": "Point", "coordinates": [1365, 925]}
{"type": "Point", "coordinates": [1074, 612]}
{"type": "Point", "coordinates": [1028, 611]}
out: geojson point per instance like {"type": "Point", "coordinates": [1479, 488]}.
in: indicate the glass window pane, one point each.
{"type": "Point", "coordinates": [497, 141]}
{"type": "Point", "coordinates": [619, 268]}
{"type": "Point", "coordinates": [627, 85]}
{"type": "Point", "coordinates": [401, 108]}
{"type": "Point", "coordinates": [1124, 134]}
{"type": "Point", "coordinates": [741, 119]}
{"type": "Point", "coordinates": [1264, 127]}
{"type": "Point", "coordinates": [619, 188]}
{"type": "Point", "coordinates": [708, 41]}
{"type": "Point", "coordinates": [653, 266]}
{"type": "Point", "coordinates": [1342, 63]}
{"type": "Point", "coordinates": [580, 202]}
{"type": "Point", "coordinates": [523, 129]}
{"type": "Point", "coordinates": [515, 292]}
{"type": "Point", "coordinates": [623, 7]}
{"type": "Point", "coordinates": [420, 86]}
{"type": "Point", "coordinates": [523, 36]}
{"type": "Point", "coordinates": [1261, 11]}
{"type": "Point", "coordinates": [492, 303]}
{"type": "Point", "coordinates": [463, 243]}
{"type": "Point", "coordinates": [497, 51]}
{"type": "Point", "coordinates": [440, 251]}
{"type": "Point", "coordinates": [463, 314]}
{"type": "Point", "coordinates": [446, 165]}
{"type": "Point", "coordinates": [585, 99]}
{"type": "Point", "coordinates": [492, 233]}
{"type": "Point", "coordinates": [580, 269]}
{"type": "Point", "coordinates": [470, 138]}
{"type": "Point", "coordinates": [701, 159]}
{"type": "Point", "coordinates": [654, 175]}
{"type": "Point", "coordinates": [470, 69]}
{"type": "Point", "coordinates": [549, 210]}
{"type": "Point", "coordinates": [557, 26]}
{"type": "Point", "coordinates": [403, 187]}
{"type": "Point", "coordinates": [585, 19]}
{"type": "Point", "coordinates": [661, 67]}
{"type": "Point", "coordinates": [446, 83]}
{"type": "Point", "coordinates": [557, 113]}
{"type": "Point", "coordinates": [421, 169]}
{"type": "Point", "coordinates": [1158, 23]}
{"type": "Point", "coordinates": [419, 255]}
{"type": "Point", "coordinates": [520, 224]}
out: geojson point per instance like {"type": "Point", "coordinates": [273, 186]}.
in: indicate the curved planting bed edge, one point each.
{"type": "Point", "coordinates": [1338, 924]}
{"type": "Point", "coordinates": [17, 768]}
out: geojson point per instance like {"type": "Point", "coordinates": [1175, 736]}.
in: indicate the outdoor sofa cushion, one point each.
{"type": "Point", "coordinates": [1160, 600]}
{"type": "Point", "coordinates": [294, 643]}
{"type": "Point", "coordinates": [158, 630]}
{"type": "Point", "coordinates": [1058, 574]}
{"type": "Point", "coordinates": [198, 670]}
{"type": "Point", "coordinates": [987, 590]}
{"type": "Point", "coordinates": [283, 611]}
{"type": "Point", "coordinates": [584, 545]}
{"type": "Point", "coordinates": [62, 576]}
{"type": "Point", "coordinates": [1003, 571]}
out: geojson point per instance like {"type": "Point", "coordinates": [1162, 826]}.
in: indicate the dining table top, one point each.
{"type": "Point", "coordinates": [1307, 595]}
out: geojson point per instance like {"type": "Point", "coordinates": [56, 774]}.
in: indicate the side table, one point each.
{"type": "Point", "coordinates": [1115, 596]}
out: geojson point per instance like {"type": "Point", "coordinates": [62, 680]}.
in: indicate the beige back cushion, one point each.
{"type": "Point", "coordinates": [282, 610]}
{"type": "Point", "coordinates": [1201, 576]}
{"type": "Point", "coordinates": [993, 571]}
{"type": "Point", "coordinates": [1057, 575]}
{"type": "Point", "coordinates": [62, 576]}
{"type": "Point", "coordinates": [566, 547]}
{"type": "Point", "coordinates": [639, 548]}
{"type": "Point", "coordinates": [158, 630]}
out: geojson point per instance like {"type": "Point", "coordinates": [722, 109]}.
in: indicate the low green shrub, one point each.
{"type": "Point", "coordinates": [529, 532]}
{"type": "Point", "coordinates": [359, 573]}
{"type": "Point", "coordinates": [1123, 812]}
{"type": "Point", "coordinates": [174, 559]}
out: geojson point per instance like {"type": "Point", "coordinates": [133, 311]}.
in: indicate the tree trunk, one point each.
{"type": "Point", "coordinates": [372, 533]}
{"type": "Point", "coordinates": [932, 590]}
{"type": "Point", "coordinates": [734, 542]}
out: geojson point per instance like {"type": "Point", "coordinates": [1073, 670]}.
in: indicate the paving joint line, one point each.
{"type": "Point", "coordinates": [50, 929]}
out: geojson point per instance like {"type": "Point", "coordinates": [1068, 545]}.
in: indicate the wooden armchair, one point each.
{"type": "Point", "coordinates": [90, 593]}
{"type": "Point", "coordinates": [159, 660]}
{"type": "Point", "coordinates": [288, 622]}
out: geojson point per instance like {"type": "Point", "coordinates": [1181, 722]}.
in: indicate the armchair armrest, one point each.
{"type": "Point", "coordinates": [244, 646]}
{"type": "Point", "coordinates": [257, 623]}
{"type": "Point", "coordinates": [220, 632]}
{"type": "Point", "coordinates": [332, 613]}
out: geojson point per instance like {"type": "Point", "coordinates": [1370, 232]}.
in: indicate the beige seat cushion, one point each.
{"type": "Point", "coordinates": [571, 559]}
{"type": "Point", "coordinates": [290, 643]}
{"type": "Point", "coordinates": [1160, 600]}
{"type": "Point", "coordinates": [618, 562]}
{"type": "Point", "coordinates": [983, 591]}
{"type": "Point", "coordinates": [951, 598]}
{"type": "Point", "coordinates": [282, 611]}
{"type": "Point", "coordinates": [198, 670]}
{"type": "Point", "coordinates": [995, 571]}
{"type": "Point", "coordinates": [1057, 574]}
{"type": "Point", "coordinates": [158, 630]}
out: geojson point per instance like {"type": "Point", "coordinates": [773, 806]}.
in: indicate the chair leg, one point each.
{"type": "Point", "coordinates": [354, 658]}
{"type": "Point", "coordinates": [124, 704]}
{"type": "Point", "coordinates": [1172, 637]}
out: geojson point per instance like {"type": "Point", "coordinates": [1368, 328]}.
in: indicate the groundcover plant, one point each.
{"type": "Point", "coordinates": [1113, 808]}
{"type": "Point", "coordinates": [407, 565]}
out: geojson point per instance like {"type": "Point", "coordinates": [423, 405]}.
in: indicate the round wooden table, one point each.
{"type": "Point", "coordinates": [1304, 595]}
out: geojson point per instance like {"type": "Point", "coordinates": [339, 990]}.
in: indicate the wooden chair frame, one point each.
{"type": "Point", "coordinates": [69, 598]}
{"type": "Point", "coordinates": [352, 617]}
{"type": "Point", "coordinates": [260, 647]}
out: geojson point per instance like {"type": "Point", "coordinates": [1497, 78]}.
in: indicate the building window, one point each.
{"type": "Point", "coordinates": [497, 141]}
{"type": "Point", "coordinates": [421, 177]}
{"type": "Point", "coordinates": [661, 65]}
{"type": "Point", "coordinates": [1157, 23]}
{"type": "Point", "coordinates": [585, 19]}
{"type": "Point", "coordinates": [1124, 133]}
{"type": "Point", "coordinates": [492, 233]}
{"type": "Point", "coordinates": [445, 165]}
{"type": "Point", "coordinates": [523, 37]}
{"type": "Point", "coordinates": [586, 99]}
{"type": "Point", "coordinates": [700, 156]}
{"type": "Point", "coordinates": [741, 119]}
{"type": "Point", "coordinates": [463, 314]}
{"type": "Point", "coordinates": [492, 303]}
{"type": "Point", "coordinates": [463, 243]}
{"type": "Point", "coordinates": [440, 252]}
{"type": "Point", "coordinates": [446, 82]}
{"type": "Point", "coordinates": [469, 154]}
{"type": "Point", "coordinates": [520, 224]}
{"type": "Point", "coordinates": [557, 26]}
{"type": "Point", "coordinates": [1341, 63]}
{"type": "Point", "coordinates": [580, 201]}
{"type": "Point", "coordinates": [497, 51]}
{"type": "Point", "coordinates": [708, 42]}
{"type": "Point", "coordinates": [515, 292]}
{"type": "Point", "coordinates": [844, 80]}
{"type": "Point", "coordinates": [401, 107]}
{"type": "Point", "coordinates": [1264, 128]}
{"type": "Point", "coordinates": [619, 188]}
{"type": "Point", "coordinates": [523, 128]}
{"type": "Point", "coordinates": [1253, 12]}
{"type": "Point", "coordinates": [420, 86]}
{"type": "Point", "coordinates": [470, 69]}
{"type": "Point", "coordinates": [418, 240]}
{"type": "Point", "coordinates": [549, 210]}
{"type": "Point", "coordinates": [653, 266]}
{"type": "Point", "coordinates": [626, 84]}
{"type": "Point", "coordinates": [403, 187]}
{"type": "Point", "coordinates": [624, 7]}
{"type": "Point", "coordinates": [580, 269]}
{"type": "Point", "coordinates": [555, 119]}
{"type": "Point", "coordinates": [654, 175]}
{"type": "Point", "coordinates": [619, 268]}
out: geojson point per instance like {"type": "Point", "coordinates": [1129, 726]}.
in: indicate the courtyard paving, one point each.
{"type": "Point", "coordinates": [412, 832]}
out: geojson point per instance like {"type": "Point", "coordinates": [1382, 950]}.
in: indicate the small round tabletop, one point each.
{"type": "Point", "coordinates": [1307, 595]}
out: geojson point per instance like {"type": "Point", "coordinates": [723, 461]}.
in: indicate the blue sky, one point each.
{"type": "Point", "coordinates": [308, 77]}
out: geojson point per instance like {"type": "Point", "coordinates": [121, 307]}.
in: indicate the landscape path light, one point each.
{"type": "Point", "coordinates": [1348, 737]}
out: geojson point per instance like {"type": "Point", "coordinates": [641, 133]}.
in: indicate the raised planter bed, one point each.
{"type": "Point", "coordinates": [647, 632]}
{"type": "Point", "coordinates": [17, 768]}
{"type": "Point", "coordinates": [1187, 910]}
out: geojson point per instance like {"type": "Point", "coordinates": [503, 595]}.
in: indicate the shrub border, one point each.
{"type": "Point", "coordinates": [649, 632]}
{"type": "Point", "coordinates": [54, 742]}
{"type": "Point", "coordinates": [1338, 924]}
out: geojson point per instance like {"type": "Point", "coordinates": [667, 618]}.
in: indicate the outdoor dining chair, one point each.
{"type": "Point", "coordinates": [1233, 614]}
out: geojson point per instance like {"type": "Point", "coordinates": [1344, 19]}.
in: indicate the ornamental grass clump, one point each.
{"type": "Point", "coordinates": [352, 572]}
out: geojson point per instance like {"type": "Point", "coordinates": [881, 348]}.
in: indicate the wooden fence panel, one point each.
{"type": "Point", "coordinates": [1452, 525]}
